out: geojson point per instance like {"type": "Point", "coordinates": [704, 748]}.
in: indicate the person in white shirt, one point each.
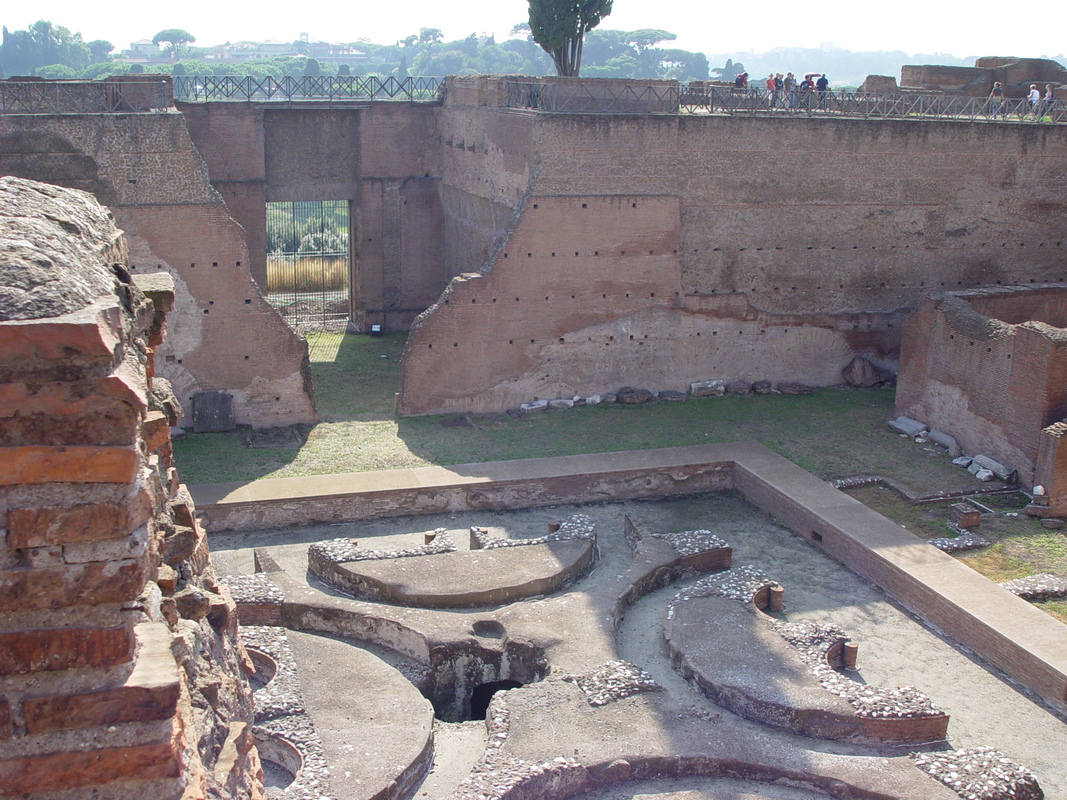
{"type": "Point", "coordinates": [1035, 100]}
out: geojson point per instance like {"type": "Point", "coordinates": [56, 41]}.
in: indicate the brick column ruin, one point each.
{"type": "Point", "coordinates": [121, 673]}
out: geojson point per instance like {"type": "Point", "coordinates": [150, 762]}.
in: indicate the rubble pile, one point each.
{"type": "Point", "coordinates": [980, 773]}
{"type": "Point", "coordinates": [1038, 587]}
{"type": "Point", "coordinates": [812, 640]}
{"type": "Point", "coordinates": [967, 540]}
{"type": "Point", "coordinates": [340, 551]}
{"type": "Point", "coordinates": [613, 680]}
{"type": "Point", "coordinates": [578, 526]}
{"type": "Point", "coordinates": [688, 543]}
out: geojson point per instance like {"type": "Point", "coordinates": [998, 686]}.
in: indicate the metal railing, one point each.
{"type": "Point", "coordinates": [84, 97]}
{"type": "Point", "coordinates": [199, 88]}
{"type": "Point", "coordinates": [596, 97]}
{"type": "Point", "coordinates": [601, 97]}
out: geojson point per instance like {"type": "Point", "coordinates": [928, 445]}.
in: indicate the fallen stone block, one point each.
{"type": "Point", "coordinates": [761, 387]}
{"type": "Point", "coordinates": [739, 387]}
{"type": "Point", "coordinates": [793, 388]}
{"type": "Point", "coordinates": [707, 388]}
{"type": "Point", "coordinates": [562, 402]}
{"type": "Point", "coordinates": [907, 426]}
{"type": "Point", "coordinates": [962, 461]}
{"type": "Point", "coordinates": [631, 396]}
{"type": "Point", "coordinates": [946, 441]}
{"type": "Point", "coordinates": [1005, 473]}
{"type": "Point", "coordinates": [672, 396]}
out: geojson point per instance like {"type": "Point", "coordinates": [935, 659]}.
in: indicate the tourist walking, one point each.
{"type": "Point", "coordinates": [1049, 100]}
{"type": "Point", "coordinates": [1035, 101]}
{"type": "Point", "coordinates": [771, 91]}
{"type": "Point", "coordinates": [996, 100]}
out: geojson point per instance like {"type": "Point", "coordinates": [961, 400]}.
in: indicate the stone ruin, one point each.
{"type": "Point", "coordinates": [121, 671]}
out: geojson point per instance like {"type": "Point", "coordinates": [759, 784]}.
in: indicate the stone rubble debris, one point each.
{"type": "Point", "coordinates": [812, 640]}
{"type": "Point", "coordinates": [688, 543]}
{"type": "Point", "coordinates": [907, 426]}
{"type": "Point", "coordinates": [253, 589]}
{"type": "Point", "coordinates": [341, 551]}
{"type": "Point", "coordinates": [1038, 587]}
{"type": "Point", "coordinates": [967, 540]}
{"type": "Point", "coordinates": [612, 680]}
{"type": "Point", "coordinates": [578, 526]}
{"type": "Point", "coordinates": [740, 584]}
{"type": "Point", "coordinates": [980, 773]}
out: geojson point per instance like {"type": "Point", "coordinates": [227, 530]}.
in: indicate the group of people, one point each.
{"type": "Point", "coordinates": [786, 92]}
{"type": "Point", "coordinates": [1039, 104]}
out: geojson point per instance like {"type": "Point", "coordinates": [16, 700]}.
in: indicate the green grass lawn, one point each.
{"type": "Point", "coordinates": [832, 432]}
{"type": "Point", "coordinates": [1019, 545]}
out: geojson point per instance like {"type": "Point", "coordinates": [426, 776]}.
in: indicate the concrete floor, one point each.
{"type": "Point", "coordinates": [894, 648]}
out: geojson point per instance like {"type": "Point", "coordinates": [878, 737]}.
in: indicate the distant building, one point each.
{"type": "Point", "coordinates": [144, 48]}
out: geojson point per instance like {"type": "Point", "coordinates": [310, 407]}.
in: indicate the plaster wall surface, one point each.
{"type": "Point", "coordinates": [147, 170]}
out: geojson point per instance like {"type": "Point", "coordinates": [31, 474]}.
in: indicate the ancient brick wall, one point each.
{"type": "Point", "coordinates": [121, 674]}
{"type": "Point", "coordinates": [991, 384]}
{"type": "Point", "coordinates": [145, 167]}
{"type": "Point", "coordinates": [809, 236]}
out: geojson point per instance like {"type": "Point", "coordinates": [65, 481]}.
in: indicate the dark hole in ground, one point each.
{"type": "Point", "coordinates": [464, 675]}
{"type": "Point", "coordinates": [482, 695]}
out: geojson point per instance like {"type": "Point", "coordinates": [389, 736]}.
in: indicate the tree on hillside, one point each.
{"type": "Point", "coordinates": [99, 50]}
{"type": "Point", "coordinates": [559, 27]}
{"type": "Point", "coordinates": [173, 38]}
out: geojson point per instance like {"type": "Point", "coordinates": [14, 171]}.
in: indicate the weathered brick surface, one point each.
{"type": "Point", "coordinates": [989, 367]}
{"type": "Point", "coordinates": [150, 692]}
{"type": "Point", "coordinates": [87, 522]}
{"type": "Point", "coordinates": [61, 586]}
{"type": "Point", "coordinates": [5, 718]}
{"type": "Point", "coordinates": [57, 771]}
{"type": "Point", "coordinates": [56, 649]}
{"type": "Point", "coordinates": [88, 497]}
{"type": "Point", "coordinates": [28, 465]}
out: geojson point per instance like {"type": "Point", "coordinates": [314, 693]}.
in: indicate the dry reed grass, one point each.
{"type": "Point", "coordinates": [306, 274]}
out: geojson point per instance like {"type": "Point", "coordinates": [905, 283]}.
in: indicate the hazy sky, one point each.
{"type": "Point", "coordinates": [943, 26]}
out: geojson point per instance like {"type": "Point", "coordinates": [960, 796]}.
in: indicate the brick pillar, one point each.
{"type": "Point", "coordinates": [104, 574]}
{"type": "Point", "coordinates": [1051, 470]}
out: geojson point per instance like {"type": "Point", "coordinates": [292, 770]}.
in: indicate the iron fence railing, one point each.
{"type": "Point", "coordinates": [602, 97]}
{"type": "Point", "coordinates": [199, 88]}
{"type": "Point", "coordinates": [84, 97]}
{"type": "Point", "coordinates": [595, 97]}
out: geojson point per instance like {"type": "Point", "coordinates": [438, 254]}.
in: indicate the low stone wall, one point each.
{"type": "Point", "coordinates": [1014, 636]}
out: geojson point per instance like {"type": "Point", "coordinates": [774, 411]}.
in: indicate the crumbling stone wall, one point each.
{"type": "Point", "coordinates": [224, 336]}
{"type": "Point", "coordinates": [121, 673]}
{"type": "Point", "coordinates": [989, 367]}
